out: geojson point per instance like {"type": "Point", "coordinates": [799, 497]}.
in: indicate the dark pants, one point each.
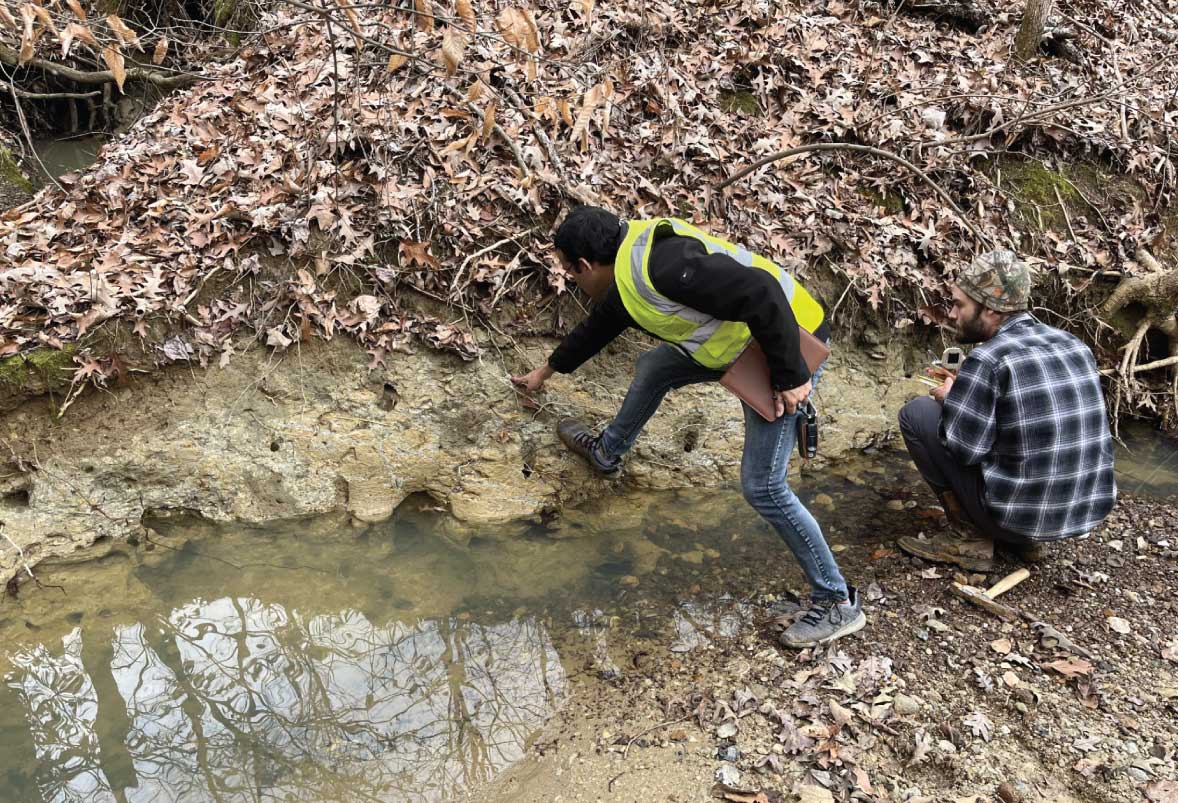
{"type": "Point", "coordinates": [920, 424]}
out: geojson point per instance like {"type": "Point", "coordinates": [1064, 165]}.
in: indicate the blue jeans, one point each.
{"type": "Point", "coordinates": [763, 466]}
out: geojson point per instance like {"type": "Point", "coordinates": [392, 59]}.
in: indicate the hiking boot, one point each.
{"type": "Point", "coordinates": [826, 622]}
{"type": "Point", "coordinates": [960, 545]}
{"type": "Point", "coordinates": [1026, 551]}
{"type": "Point", "coordinates": [577, 437]}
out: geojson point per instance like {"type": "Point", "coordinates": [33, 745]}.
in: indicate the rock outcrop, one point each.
{"type": "Point", "coordinates": [313, 431]}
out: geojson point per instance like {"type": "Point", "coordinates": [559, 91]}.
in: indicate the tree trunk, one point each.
{"type": "Point", "coordinates": [1026, 43]}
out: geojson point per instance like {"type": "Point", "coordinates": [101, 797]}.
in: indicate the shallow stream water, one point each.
{"type": "Point", "coordinates": [312, 661]}
{"type": "Point", "coordinates": [61, 156]}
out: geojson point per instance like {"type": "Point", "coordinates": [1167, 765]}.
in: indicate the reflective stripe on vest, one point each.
{"type": "Point", "coordinates": [710, 341]}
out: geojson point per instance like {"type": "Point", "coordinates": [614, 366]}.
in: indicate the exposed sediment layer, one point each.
{"type": "Point", "coordinates": [309, 432]}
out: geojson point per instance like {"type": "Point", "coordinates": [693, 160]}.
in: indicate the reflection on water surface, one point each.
{"type": "Point", "coordinates": [235, 699]}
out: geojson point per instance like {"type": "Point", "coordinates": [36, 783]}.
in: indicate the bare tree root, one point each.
{"type": "Point", "coordinates": [1159, 289]}
{"type": "Point", "coordinates": [1158, 293]}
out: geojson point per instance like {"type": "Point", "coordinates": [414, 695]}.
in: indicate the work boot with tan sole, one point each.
{"type": "Point", "coordinates": [1026, 551]}
{"type": "Point", "coordinates": [960, 546]}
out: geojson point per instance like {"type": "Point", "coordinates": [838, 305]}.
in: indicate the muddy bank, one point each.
{"type": "Point", "coordinates": [314, 431]}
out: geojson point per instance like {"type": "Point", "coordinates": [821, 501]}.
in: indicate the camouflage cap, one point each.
{"type": "Point", "coordinates": [998, 280]}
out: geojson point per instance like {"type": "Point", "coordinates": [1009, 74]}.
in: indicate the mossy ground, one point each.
{"type": "Point", "coordinates": [40, 370]}
{"type": "Point", "coordinates": [890, 202]}
{"type": "Point", "coordinates": [740, 100]}
{"type": "Point", "coordinates": [1040, 192]}
{"type": "Point", "coordinates": [10, 172]}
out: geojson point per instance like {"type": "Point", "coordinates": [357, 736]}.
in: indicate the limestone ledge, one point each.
{"type": "Point", "coordinates": [312, 432]}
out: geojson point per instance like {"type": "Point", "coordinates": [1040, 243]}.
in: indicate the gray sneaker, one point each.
{"type": "Point", "coordinates": [825, 623]}
{"type": "Point", "coordinates": [577, 437]}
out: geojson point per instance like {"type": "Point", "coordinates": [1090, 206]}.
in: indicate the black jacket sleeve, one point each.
{"type": "Point", "coordinates": [606, 320]}
{"type": "Point", "coordinates": [715, 284]}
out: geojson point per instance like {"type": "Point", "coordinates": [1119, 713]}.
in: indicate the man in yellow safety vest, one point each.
{"type": "Point", "coordinates": [705, 298]}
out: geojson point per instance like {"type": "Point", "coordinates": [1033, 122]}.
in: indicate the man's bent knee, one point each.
{"type": "Point", "coordinates": [759, 492]}
{"type": "Point", "coordinates": [920, 417]}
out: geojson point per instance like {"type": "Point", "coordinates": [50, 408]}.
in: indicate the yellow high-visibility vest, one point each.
{"type": "Point", "coordinates": [711, 342]}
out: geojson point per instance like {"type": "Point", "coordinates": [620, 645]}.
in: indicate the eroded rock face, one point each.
{"type": "Point", "coordinates": [313, 431]}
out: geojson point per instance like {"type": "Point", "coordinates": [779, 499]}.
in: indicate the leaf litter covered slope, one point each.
{"type": "Point", "coordinates": [351, 153]}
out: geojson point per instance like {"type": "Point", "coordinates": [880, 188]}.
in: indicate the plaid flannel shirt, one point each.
{"type": "Point", "coordinates": [1027, 407]}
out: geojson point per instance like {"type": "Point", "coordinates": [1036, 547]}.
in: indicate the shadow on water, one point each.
{"type": "Point", "coordinates": [61, 156]}
{"type": "Point", "coordinates": [313, 661]}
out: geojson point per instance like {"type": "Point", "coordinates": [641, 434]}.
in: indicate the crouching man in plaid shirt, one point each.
{"type": "Point", "coordinates": [1017, 445]}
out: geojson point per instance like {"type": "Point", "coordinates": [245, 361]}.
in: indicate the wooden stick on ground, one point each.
{"type": "Point", "coordinates": [985, 599]}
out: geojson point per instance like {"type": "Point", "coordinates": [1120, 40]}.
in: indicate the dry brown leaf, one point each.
{"type": "Point", "coordinates": [7, 18]}
{"type": "Point", "coordinates": [590, 102]}
{"type": "Point", "coordinates": [566, 112]}
{"type": "Point", "coordinates": [586, 7]}
{"type": "Point", "coordinates": [488, 120]}
{"type": "Point", "coordinates": [1002, 646]}
{"type": "Point", "coordinates": [531, 32]}
{"type": "Point", "coordinates": [66, 38]}
{"type": "Point", "coordinates": [354, 22]}
{"type": "Point", "coordinates": [28, 39]}
{"type": "Point", "coordinates": [396, 62]}
{"type": "Point", "coordinates": [453, 43]}
{"type": "Point", "coordinates": [607, 92]}
{"type": "Point", "coordinates": [417, 253]}
{"type": "Point", "coordinates": [83, 34]}
{"type": "Point", "coordinates": [43, 16]}
{"type": "Point", "coordinates": [513, 26]}
{"type": "Point", "coordinates": [76, 7]}
{"type": "Point", "coordinates": [424, 15]}
{"type": "Point", "coordinates": [466, 13]}
{"type": "Point", "coordinates": [1070, 667]}
{"type": "Point", "coordinates": [1162, 792]}
{"type": "Point", "coordinates": [123, 32]}
{"type": "Point", "coordinates": [114, 62]}
{"type": "Point", "coordinates": [476, 91]}
{"type": "Point", "coordinates": [160, 52]}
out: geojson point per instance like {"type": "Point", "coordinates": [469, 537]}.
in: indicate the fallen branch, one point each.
{"type": "Point", "coordinates": [1149, 366]}
{"type": "Point", "coordinates": [21, 93]}
{"type": "Point", "coordinates": [162, 80]}
{"type": "Point", "coordinates": [848, 146]}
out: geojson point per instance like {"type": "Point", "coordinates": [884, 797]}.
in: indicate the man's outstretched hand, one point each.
{"type": "Point", "coordinates": [533, 380]}
{"type": "Point", "coordinates": [787, 401]}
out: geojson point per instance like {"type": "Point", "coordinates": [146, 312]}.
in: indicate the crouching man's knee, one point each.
{"type": "Point", "coordinates": [920, 418]}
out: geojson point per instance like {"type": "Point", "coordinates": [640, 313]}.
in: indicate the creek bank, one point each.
{"type": "Point", "coordinates": [313, 431]}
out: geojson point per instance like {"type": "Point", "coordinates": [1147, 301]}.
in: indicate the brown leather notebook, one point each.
{"type": "Point", "coordinates": [748, 377]}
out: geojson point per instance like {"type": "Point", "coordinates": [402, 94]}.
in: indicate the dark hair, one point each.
{"type": "Point", "coordinates": [589, 232]}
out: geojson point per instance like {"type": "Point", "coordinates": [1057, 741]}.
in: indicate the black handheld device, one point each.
{"type": "Point", "coordinates": [808, 430]}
